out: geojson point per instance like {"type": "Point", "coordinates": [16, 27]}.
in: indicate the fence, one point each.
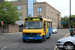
{"type": "Point", "coordinates": [4, 31]}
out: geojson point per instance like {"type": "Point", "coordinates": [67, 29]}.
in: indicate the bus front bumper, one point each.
{"type": "Point", "coordinates": [38, 37]}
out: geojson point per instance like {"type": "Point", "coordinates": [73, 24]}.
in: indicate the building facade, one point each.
{"type": "Point", "coordinates": [42, 9]}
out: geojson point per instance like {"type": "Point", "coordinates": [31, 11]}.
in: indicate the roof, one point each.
{"type": "Point", "coordinates": [20, 22]}
{"type": "Point", "coordinates": [47, 4]}
{"type": "Point", "coordinates": [47, 19]}
{"type": "Point", "coordinates": [40, 17]}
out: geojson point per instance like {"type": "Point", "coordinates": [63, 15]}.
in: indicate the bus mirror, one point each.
{"type": "Point", "coordinates": [44, 24]}
{"type": "Point", "coordinates": [22, 25]}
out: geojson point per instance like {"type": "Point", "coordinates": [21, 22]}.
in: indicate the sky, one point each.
{"type": "Point", "coordinates": [62, 6]}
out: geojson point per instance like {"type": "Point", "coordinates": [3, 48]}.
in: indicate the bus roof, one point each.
{"type": "Point", "coordinates": [47, 19]}
{"type": "Point", "coordinates": [40, 17]}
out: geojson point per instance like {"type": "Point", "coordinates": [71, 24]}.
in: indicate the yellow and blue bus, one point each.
{"type": "Point", "coordinates": [37, 28]}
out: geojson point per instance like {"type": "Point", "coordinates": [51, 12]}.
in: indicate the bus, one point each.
{"type": "Point", "coordinates": [36, 28]}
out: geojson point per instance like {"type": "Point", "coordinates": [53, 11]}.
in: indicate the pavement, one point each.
{"type": "Point", "coordinates": [13, 41]}
{"type": "Point", "coordinates": [0, 37]}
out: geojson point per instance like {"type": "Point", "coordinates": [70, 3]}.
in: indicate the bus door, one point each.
{"type": "Point", "coordinates": [45, 27]}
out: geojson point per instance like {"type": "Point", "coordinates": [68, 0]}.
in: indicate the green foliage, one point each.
{"type": "Point", "coordinates": [72, 21]}
{"type": "Point", "coordinates": [66, 18]}
{"type": "Point", "coordinates": [10, 15]}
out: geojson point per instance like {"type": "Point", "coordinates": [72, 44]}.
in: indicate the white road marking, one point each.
{"type": "Point", "coordinates": [3, 48]}
{"type": "Point", "coordinates": [63, 37]}
{"type": "Point", "coordinates": [2, 38]}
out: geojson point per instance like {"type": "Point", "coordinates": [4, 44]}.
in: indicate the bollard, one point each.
{"type": "Point", "coordinates": [1, 30]}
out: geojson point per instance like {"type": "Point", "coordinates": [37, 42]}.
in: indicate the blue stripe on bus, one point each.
{"type": "Point", "coordinates": [49, 32]}
{"type": "Point", "coordinates": [37, 37]}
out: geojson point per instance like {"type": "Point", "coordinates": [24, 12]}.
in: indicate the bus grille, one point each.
{"type": "Point", "coordinates": [31, 33]}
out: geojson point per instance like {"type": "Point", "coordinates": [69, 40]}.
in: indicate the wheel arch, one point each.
{"type": "Point", "coordinates": [68, 42]}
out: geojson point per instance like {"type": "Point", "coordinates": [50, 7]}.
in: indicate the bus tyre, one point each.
{"type": "Point", "coordinates": [24, 40]}
{"type": "Point", "coordinates": [42, 39]}
{"type": "Point", "coordinates": [49, 36]}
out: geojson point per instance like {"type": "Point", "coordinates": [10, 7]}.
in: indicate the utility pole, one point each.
{"type": "Point", "coordinates": [1, 1]}
{"type": "Point", "coordinates": [1, 26]}
{"type": "Point", "coordinates": [70, 12]}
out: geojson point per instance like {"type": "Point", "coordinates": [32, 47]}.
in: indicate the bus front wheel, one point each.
{"type": "Point", "coordinates": [42, 39]}
{"type": "Point", "coordinates": [24, 40]}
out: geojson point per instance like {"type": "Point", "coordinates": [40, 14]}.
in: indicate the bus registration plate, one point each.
{"type": "Point", "coordinates": [30, 38]}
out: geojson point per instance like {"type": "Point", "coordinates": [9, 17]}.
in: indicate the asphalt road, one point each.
{"type": "Point", "coordinates": [14, 42]}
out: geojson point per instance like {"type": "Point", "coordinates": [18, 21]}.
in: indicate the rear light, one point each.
{"type": "Point", "coordinates": [23, 33]}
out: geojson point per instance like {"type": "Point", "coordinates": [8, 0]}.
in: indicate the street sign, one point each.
{"type": "Point", "coordinates": [2, 23]}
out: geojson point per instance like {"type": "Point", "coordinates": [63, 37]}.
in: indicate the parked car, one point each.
{"type": "Point", "coordinates": [54, 30]}
{"type": "Point", "coordinates": [67, 43]}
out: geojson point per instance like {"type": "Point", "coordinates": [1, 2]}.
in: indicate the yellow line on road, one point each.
{"type": "Point", "coordinates": [55, 48]}
{"type": "Point", "coordinates": [2, 38]}
{"type": "Point", "coordinates": [66, 35]}
{"type": "Point", "coordinates": [63, 37]}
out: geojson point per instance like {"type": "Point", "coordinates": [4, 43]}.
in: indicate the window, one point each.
{"type": "Point", "coordinates": [50, 18]}
{"type": "Point", "coordinates": [22, 7]}
{"type": "Point", "coordinates": [19, 17]}
{"type": "Point", "coordinates": [22, 19]}
{"type": "Point", "coordinates": [30, 8]}
{"type": "Point", "coordinates": [18, 7]}
{"type": "Point", "coordinates": [54, 20]}
{"type": "Point", "coordinates": [33, 25]}
{"type": "Point", "coordinates": [47, 10]}
{"type": "Point", "coordinates": [49, 24]}
{"type": "Point", "coordinates": [47, 17]}
{"type": "Point", "coordinates": [39, 9]}
{"type": "Point", "coordinates": [55, 14]}
{"type": "Point", "coordinates": [33, 1]}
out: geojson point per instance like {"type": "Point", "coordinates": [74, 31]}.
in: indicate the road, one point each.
{"type": "Point", "coordinates": [14, 42]}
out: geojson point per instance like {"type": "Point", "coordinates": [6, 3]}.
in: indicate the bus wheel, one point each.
{"type": "Point", "coordinates": [49, 36]}
{"type": "Point", "coordinates": [42, 39]}
{"type": "Point", "coordinates": [24, 40]}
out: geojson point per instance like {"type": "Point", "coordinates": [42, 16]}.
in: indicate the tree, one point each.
{"type": "Point", "coordinates": [73, 21]}
{"type": "Point", "coordinates": [8, 13]}
{"type": "Point", "coordinates": [65, 21]}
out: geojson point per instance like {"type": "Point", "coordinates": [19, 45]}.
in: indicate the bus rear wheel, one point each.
{"type": "Point", "coordinates": [49, 36]}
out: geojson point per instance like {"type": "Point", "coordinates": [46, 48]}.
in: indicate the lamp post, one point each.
{"type": "Point", "coordinates": [70, 12]}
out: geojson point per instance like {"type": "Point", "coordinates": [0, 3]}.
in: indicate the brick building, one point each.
{"type": "Point", "coordinates": [40, 9]}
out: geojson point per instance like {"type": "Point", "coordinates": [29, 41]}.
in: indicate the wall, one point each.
{"type": "Point", "coordinates": [40, 5]}
{"type": "Point", "coordinates": [44, 12]}
{"type": "Point", "coordinates": [13, 28]}
{"type": "Point", "coordinates": [53, 15]}
{"type": "Point", "coordinates": [23, 8]}
{"type": "Point", "coordinates": [10, 29]}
